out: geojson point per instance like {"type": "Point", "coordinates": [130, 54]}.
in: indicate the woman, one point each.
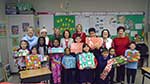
{"type": "Point", "coordinates": [121, 43]}
{"type": "Point", "coordinates": [107, 41]}
{"type": "Point", "coordinates": [79, 33]}
{"type": "Point", "coordinates": [66, 41]}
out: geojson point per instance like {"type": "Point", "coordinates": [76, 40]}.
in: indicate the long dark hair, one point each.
{"type": "Point", "coordinates": [25, 42]}
{"type": "Point", "coordinates": [44, 45]}
{"type": "Point", "coordinates": [84, 45]}
{"type": "Point", "coordinates": [103, 32]}
{"type": "Point", "coordinates": [36, 49]}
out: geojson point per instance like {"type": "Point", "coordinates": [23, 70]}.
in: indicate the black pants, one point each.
{"type": "Point", "coordinates": [111, 75]}
{"type": "Point", "coordinates": [131, 74]}
{"type": "Point", "coordinates": [120, 73]}
{"type": "Point", "coordinates": [69, 76]}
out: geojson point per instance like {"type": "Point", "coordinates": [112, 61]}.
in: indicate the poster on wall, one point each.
{"type": "Point", "coordinates": [65, 23]}
{"type": "Point", "coordinates": [15, 41]}
{"type": "Point", "coordinates": [3, 31]}
{"type": "Point", "coordinates": [134, 24]}
{"type": "Point", "coordinates": [104, 22]}
{"type": "Point", "coordinates": [14, 29]}
{"type": "Point", "coordinates": [25, 26]}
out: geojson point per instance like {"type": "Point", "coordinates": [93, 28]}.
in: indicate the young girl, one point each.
{"type": "Point", "coordinates": [112, 55]}
{"type": "Point", "coordinates": [69, 65]}
{"type": "Point", "coordinates": [133, 64]}
{"type": "Point", "coordinates": [86, 65]}
{"type": "Point", "coordinates": [66, 40]}
{"type": "Point", "coordinates": [103, 60]}
{"type": "Point", "coordinates": [33, 61]}
{"type": "Point", "coordinates": [21, 53]}
{"type": "Point", "coordinates": [56, 63]}
{"type": "Point", "coordinates": [43, 51]}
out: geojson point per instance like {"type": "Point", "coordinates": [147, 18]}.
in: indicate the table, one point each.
{"type": "Point", "coordinates": [35, 76]}
{"type": "Point", "coordinates": [145, 72]}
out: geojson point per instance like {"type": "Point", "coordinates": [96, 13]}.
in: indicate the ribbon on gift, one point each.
{"type": "Point", "coordinates": [107, 69]}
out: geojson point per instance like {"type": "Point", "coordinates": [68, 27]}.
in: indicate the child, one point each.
{"type": "Point", "coordinates": [43, 51]}
{"type": "Point", "coordinates": [56, 63]}
{"type": "Point", "coordinates": [86, 65]}
{"type": "Point", "coordinates": [103, 60]}
{"type": "Point", "coordinates": [66, 40]}
{"type": "Point", "coordinates": [69, 65]}
{"type": "Point", "coordinates": [78, 39]}
{"type": "Point", "coordinates": [112, 55]}
{"type": "Point", "coordinates": [132, 65]}
{"type": "Point", "coordinates": [21, 53]}
{"type": "Point", "coordinates": [33, 61]}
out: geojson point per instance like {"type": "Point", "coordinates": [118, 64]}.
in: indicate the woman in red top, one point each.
{"type": "Point", "coordinates": [120, 43]}
{"type": "Point", "coordinates": [79, 33]}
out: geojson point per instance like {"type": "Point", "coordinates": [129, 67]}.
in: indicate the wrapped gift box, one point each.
{"type": "Point", "coordinates": [86, 60]}
{"type": "Point", "coordinates": [94, 41]}
{"type": "Point", "coordinates": [76, 47]}
{"type": "Point", "coordinates": [22, 53]}
{"type": "Point", "coordinates": [121, 60]}
{"type": "Point", "coordinates": [133, 57]}
{"type": "Point", "coordinates": [56, 50]}
{"type": "Point", "coordinates": [32, 62]}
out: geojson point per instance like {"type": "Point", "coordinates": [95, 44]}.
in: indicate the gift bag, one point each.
{"type": "Point", "coordinates": [121, 60]}
{"type": "Point", "coordinates": [32, 62]}
{"type": "Point", "coordinates": [133, 57]}
{"type": "Point", "coordinates": [86, 60]}
{"type": "Point", "coordinates": [76, 47]}
{"type": "Point", "coordinates": [94, 41]}
{"type": "Point", "coordinates": [56, 50]}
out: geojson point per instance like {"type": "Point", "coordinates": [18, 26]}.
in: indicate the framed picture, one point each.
{"type": "Point", "coordinates": [25, 26]}
{"type": "Point", "coordinates": [3, 31]}
{"type": "Point", "coordinates": [14, 29]}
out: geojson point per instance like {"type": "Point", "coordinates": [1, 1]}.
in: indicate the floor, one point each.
{"type": "Point", "coordinates": [15, 78]}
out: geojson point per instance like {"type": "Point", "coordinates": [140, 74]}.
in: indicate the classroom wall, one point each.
{"type": "Point", "coordinates": [87, 5]}
{"type": "Point", "coordinates": [81, 5]}
{"type": "Point", "coordinates": [2, 10]}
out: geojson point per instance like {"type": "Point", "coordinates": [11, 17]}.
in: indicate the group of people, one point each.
{"type": "Point", "coordinates": [67, 68]}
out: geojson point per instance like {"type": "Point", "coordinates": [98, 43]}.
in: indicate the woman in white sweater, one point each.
{"type": "Point", "coordinates": [66, 41]}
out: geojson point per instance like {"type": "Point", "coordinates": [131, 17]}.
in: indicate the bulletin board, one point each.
{"type": "Point", "coordinates": [65, 22]}
{"type": "Point", "coordinates": [133, 23]}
